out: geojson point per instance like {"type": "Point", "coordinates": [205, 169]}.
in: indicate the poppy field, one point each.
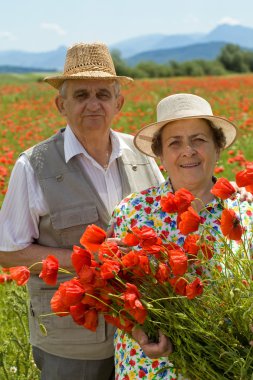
{"type": "Point", "coordinates": [28, 115]}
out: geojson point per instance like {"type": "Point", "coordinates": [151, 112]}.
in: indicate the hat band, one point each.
{"type": "Point", "coordinates": [77, 69]}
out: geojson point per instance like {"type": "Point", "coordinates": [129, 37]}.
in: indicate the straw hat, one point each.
{"type": "Point", "coordinates": [87, 61]}
{"type": "Point", "coordinates": [179, 107]}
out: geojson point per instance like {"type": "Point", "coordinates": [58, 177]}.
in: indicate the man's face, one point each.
{"type": "Point", "coordinates": [89, 105]}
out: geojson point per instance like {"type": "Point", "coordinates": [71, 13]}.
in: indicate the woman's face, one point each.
{"type": "Point", "coordinates": [189, 154]}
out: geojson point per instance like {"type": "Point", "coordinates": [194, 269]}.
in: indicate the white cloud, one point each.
{"type": "Point", "coordinates": [229, 20]}
{"type": "Point", "coordinates": [54, 27]}
{"type": "Point", "coordinates": [7, 36]}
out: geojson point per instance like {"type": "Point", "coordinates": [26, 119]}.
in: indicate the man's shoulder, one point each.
{"type": "Point", "coordinates": [42, 144]}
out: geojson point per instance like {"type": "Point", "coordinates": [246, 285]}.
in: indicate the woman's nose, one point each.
{"type": "Point", "coordinates": [189, 150]}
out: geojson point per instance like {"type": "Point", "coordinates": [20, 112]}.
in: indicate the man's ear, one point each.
{"type": "Point", "coordinates": [59, 102]}
{"type": "Point", "coordinates": [120, 102]}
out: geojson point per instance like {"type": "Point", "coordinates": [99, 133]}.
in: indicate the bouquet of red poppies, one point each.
{"type": "Point", "coordinates": [199, 294]}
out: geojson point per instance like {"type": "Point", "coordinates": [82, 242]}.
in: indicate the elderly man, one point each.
{"type": "Point", "coordinates": [56, 189]}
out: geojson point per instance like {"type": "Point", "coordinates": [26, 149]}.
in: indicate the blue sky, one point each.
{"type": "Point", "coordinates": [44, 25]}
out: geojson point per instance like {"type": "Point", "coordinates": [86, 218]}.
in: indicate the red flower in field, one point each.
{"type": "Point", "coordinates": [5, 278]}
{"type": "Point", "coordinates": [77, 312]}
{"type": "Point", "coordinates": [93, 237]}
{"type": "Point", "coordinates": [133, 304]}
{"type": "Point", "coordinates": [131, 239]}
{"type": "Point", "coordinates": [109, 269]}
{"type": "Point", "coordinates": [49, 270]}
{"type": "Point", "coordinates": [223, 189]}
{"type": "Point", "coordinates": [122, 323]}
{"type": "Point", "coordinates": [245, 177]}
{"type": "Point", "coordinates": [108, 250]}
{"type": "Point", "coordinates": [191, 244]}
{"type": "Point", "coordinates": [178, 262]}
{"type": "Point", "coordinates": [194, 289]}
{"type": "Point", "coordinates": [19, 274]}
{"type": "Point", "coordinates": [144, 233]}
{"type": "Point", "coordinates": [179, 285]}
{"type": "Point", "coordinates": [57, 305]}
{"type": "Point", "coordinates": [189, 221]}
{"type": "Point", "coordinates": [91, 320]}
{"type": "Point", "coordinates": [130, 260]}
{"type": "Point", "coordinates": [183, 199]}
{"type": "Point", "coordinates": [162, 273]}
{"type": "Point", "coordinates": [230, 225]}
{"type": "Point", "coordinates": [79, 258]}
{"type": "Point", "coordinates": [143, 267]}
{"type": "Point", "coordinates": [168, 203]}
{"type": "Point", "coordinates": [207, 250]}
{"type": "Point", "coordinates": [87, 275]}
{"type": "Point", "coordinates": [71, 292]}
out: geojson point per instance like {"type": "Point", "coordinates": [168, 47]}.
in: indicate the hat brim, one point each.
{"type": "Point", "coordinates": [56, 81]}
{"type": "Point", "coordinates": [143, 138]}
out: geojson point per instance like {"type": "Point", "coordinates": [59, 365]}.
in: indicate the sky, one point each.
{"type": "Point", "coordinates": [32, 25]}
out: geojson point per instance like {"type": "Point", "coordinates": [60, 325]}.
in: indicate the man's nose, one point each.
{"type": "Point", "coordinates": [93, 103]}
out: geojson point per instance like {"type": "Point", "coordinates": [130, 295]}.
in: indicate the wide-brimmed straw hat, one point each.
{"type": "Point", "coordinates": [180, 107]}
{"type": "Point", "coordinates": [87, 61]}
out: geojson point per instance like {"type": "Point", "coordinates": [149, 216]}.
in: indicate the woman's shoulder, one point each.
{"type": "Point", "coordinates": [141, 198]}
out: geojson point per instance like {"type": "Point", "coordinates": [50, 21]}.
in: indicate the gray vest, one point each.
{"type": "Point", "coordinates": [74, 203]}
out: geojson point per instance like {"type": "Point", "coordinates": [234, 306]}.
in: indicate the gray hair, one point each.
{"type": "Point", "coordinates": [63, 88]}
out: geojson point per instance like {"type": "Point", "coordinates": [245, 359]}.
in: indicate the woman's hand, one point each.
{"type": "Point", "coordinates": [153, 350]}
{"type": "Point", "coordinates": [244, 195]}
{"type": "Point", "coordinates": [123, 247]}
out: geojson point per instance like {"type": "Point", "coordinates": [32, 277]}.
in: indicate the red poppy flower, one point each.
{"type": "Point", "coordinates": [144, 233]}
{"type": "Point", "coordinates": [58, 306]}
{"type": "Point", "coordinates": [178, 262]}
{"type": "Point", "coordinates": [93, 237]}
{"type": "Point", "coordinates": [162, 273]}
{"type": "Point", "coordinates": [91, 320]}
{"type": "Point", "coordinates": [168, 203]}
{"type": "Point", "coordinates": [109, 269]}
{"type": "Point", "coordinates": [245, 177]}
{"type": "Point", "coordinates": [189, 221]}
{"type": "Point", "coordinates": [79, 258]}
{"type": "Point", "coordinates": [183, 199]}
{"type": "Point", "coordinates": [179, 285]}
{"type": "Point", "coordinates": [223, 189]}
{"type": "Point", "coordinates": [5, 278]}
{"type": "Point", "coordinates": [19, 274]}
{"type": "Point", "coordinates": [130, 260]}
{"type": "Point", "coordinates": [131, 239]}
{"type": "Point", "coordinates": [77, 312]}
{"type": "Point", "coordinates": [123, 323]}
{"type": "Point", "coordinates": [108, 250]}
{"type": "Point", "coordinates": [143, 267]}
{"type": "Point", "coordinates": [49, 270]}
{"type": "Point", "coordinates": [230, 225]}
{"type": "Point", "coordinates": [194, 289]}
{"type": "Point", "coordinates": [87, 275]}
{"type": "Point", "coordinates": [71, 292]}
{"type": "Point", "coordinates": [191, 244]}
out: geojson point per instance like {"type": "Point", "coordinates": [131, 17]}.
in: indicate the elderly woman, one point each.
{"type": "Point", "coordinates": [188, 139]}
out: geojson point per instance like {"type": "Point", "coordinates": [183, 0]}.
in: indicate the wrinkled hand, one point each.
{"type": "Point", "coordinates": [124, 248]}
{"type": "Point", "coordinates": [244, 195]}
{"type": "Point", "coordinates": [153, 350]}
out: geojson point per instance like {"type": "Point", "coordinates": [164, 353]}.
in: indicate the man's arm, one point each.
{"type": "Point", "coordinates": [35, 253]}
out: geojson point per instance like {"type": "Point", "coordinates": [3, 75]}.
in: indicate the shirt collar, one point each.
{"type": "Point", "coordinates": [72, 147]}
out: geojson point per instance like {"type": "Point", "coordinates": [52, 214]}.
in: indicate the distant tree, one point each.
{"type": "Point", "coordinates": [233, 58]}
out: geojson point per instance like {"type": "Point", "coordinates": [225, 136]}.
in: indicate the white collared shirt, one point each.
{"type": "Point", "coordinates": [24, 202]}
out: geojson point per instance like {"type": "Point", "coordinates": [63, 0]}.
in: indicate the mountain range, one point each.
{"type": "Point", "coordinates": [155, 47]}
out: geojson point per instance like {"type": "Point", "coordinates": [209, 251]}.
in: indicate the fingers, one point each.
{"type": "Point", "coordinates": [153, 350]}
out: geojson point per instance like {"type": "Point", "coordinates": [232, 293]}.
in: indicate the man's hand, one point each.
{"type": "Point", "coordinates": [153, 350]}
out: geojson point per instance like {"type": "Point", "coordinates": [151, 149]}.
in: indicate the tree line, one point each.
{"type": "Point", "coordinates": [232, 59]}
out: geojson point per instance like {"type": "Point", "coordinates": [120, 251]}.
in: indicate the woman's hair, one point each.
{"type": "Point", "coordinates": [218, 138]}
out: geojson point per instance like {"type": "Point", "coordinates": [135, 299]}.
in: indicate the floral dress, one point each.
{"type": "Point", "coordinates": [141, 209]}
